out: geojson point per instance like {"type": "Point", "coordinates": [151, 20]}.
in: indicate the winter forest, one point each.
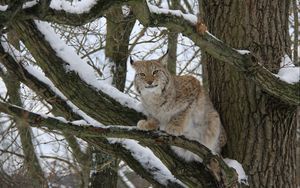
{"type": "Point", "coordinates": [69, 109]}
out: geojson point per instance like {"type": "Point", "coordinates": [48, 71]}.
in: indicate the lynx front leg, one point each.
{"type": "Point", "coordinates": [149, 124]}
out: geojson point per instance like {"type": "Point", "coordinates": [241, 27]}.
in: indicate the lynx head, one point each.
{"type": "Point", "coordinates": [151, 76]}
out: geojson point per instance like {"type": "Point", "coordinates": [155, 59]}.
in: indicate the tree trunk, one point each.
{"type": "Point", "coordinates": [261, 130]}
{"type": "Point", "coordinates": [105, 174]}
{"type": "Point", "coordinates": [296, 32]}
{"type": "Point", "coordinates": [119, 28]}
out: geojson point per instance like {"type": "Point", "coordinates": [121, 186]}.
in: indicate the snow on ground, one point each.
{"type": "Point", "coordinates": [242, 177]}
{"type": "Point", "coordinates": [86, 72]}
{"type": "Point", "coordinates": [288, 71]}
{"type": "Point", "coordinates": [75, 6]}
{"type": "Point", "coordinates": [149, 161]}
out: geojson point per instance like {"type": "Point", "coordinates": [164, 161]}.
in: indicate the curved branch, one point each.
{"type": "Point", "coordinates": [224, 175]}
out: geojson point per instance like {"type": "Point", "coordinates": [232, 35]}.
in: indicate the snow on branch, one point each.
{"type": "Point", "coordinates": [59, 11]}
{"type": "Point", "coordinates": [213, 163]}
{"type": "Point", "coordinates": [148, 160]}
{"type": "Point", "coordinates": [189, 17]}
{"type": "Point", "coordinates": [74, 6]}
{"type": "Point", "coordinates": [85, 71]}
{"type": "Point", "coordinates": [86, 94]}
{"type": "Point", "coordinates": [40, 76]}
{"type": "Point", "coordinates": [288, 71]}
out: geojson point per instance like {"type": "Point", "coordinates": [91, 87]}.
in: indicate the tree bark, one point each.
{"type": "Point", "coordinates": [261, 130]}
{"type": "Point", "coordinates": [172, 43]}
{"type": "Point", "coordinates": [296, 32]}
{"type": "Point", "coordinates": [119, 27]}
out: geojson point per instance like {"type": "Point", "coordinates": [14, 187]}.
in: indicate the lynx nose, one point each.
{"type": "Point", "coordinates": [149, 82]}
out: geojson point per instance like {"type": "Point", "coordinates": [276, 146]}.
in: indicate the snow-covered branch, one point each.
{"type": "Point", "coordinates": [216, 167]}
{"type": "Point", "coordinates": [73, 80]}
{"type": "Point", "coordinates": [63, 12]}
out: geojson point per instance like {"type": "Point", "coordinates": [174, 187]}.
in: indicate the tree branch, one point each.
{"type": "Point", "coordinates": [42, 11]}
{"type": "Point", "coordinates": [83, 95]}
{"type": "Point", "coordinates": [224, 175]}
{"type": "Point", "coordinates": [36, 85]}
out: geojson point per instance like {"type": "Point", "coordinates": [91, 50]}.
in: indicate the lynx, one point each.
{"type": "Point", "coordinates": [177, 105]}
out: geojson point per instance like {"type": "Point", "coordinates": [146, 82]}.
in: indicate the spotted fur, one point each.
{"type": "Point", "coordinates": [177, 105]}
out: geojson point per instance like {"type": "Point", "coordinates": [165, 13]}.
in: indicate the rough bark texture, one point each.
{"type": "Point", "coordinates": [296, 31]}
{"type": "Point", "coordinates": [119, 28]}
{"type": "Point", "coordinates": [105, 172]}
{"type": "Point", "coordinates": [172, 51]}
{"type": "Point", "coordinates": [172, 43]}
{"type": "Point", "coordinates": [261, 130]}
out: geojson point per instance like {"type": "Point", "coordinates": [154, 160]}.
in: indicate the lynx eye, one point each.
{"type": "Point", "coordinates": [141, 74]}
{"type": "Point", "coordinates": [155, 72]}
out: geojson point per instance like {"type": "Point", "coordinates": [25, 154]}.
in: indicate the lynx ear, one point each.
{"type": "Point", "coordinates": [164, 59]}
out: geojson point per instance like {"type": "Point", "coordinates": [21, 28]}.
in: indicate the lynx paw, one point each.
{"type": "Point", "coordinates": [175, 130]}
{"type": "Point", "coordinates": [201, 27]}
{"type": "Point", "coordinates": [146, 125]}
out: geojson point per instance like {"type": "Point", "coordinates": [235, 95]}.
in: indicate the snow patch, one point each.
{"type": "Point", "coordinates": [189, 17]}
{"type": "Point", "coordinates": [288, 71]}
{"type": "Point", "coordinates": [286, 61]}
{"type": "Point", "coordinates": [242, 177]}
{"type": "Point", "coordinates": [29, 4]}
{"type": "Point", "coordinates": [3, 7]}
{"type": "Point", "coordinates": [80, 122]}
{"type": "Point", "coordinates": [290, 75]}
{"type": "Point", "coordinates": [243, 52]}
{"type": "Point", "coordinates": [75, 6]}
